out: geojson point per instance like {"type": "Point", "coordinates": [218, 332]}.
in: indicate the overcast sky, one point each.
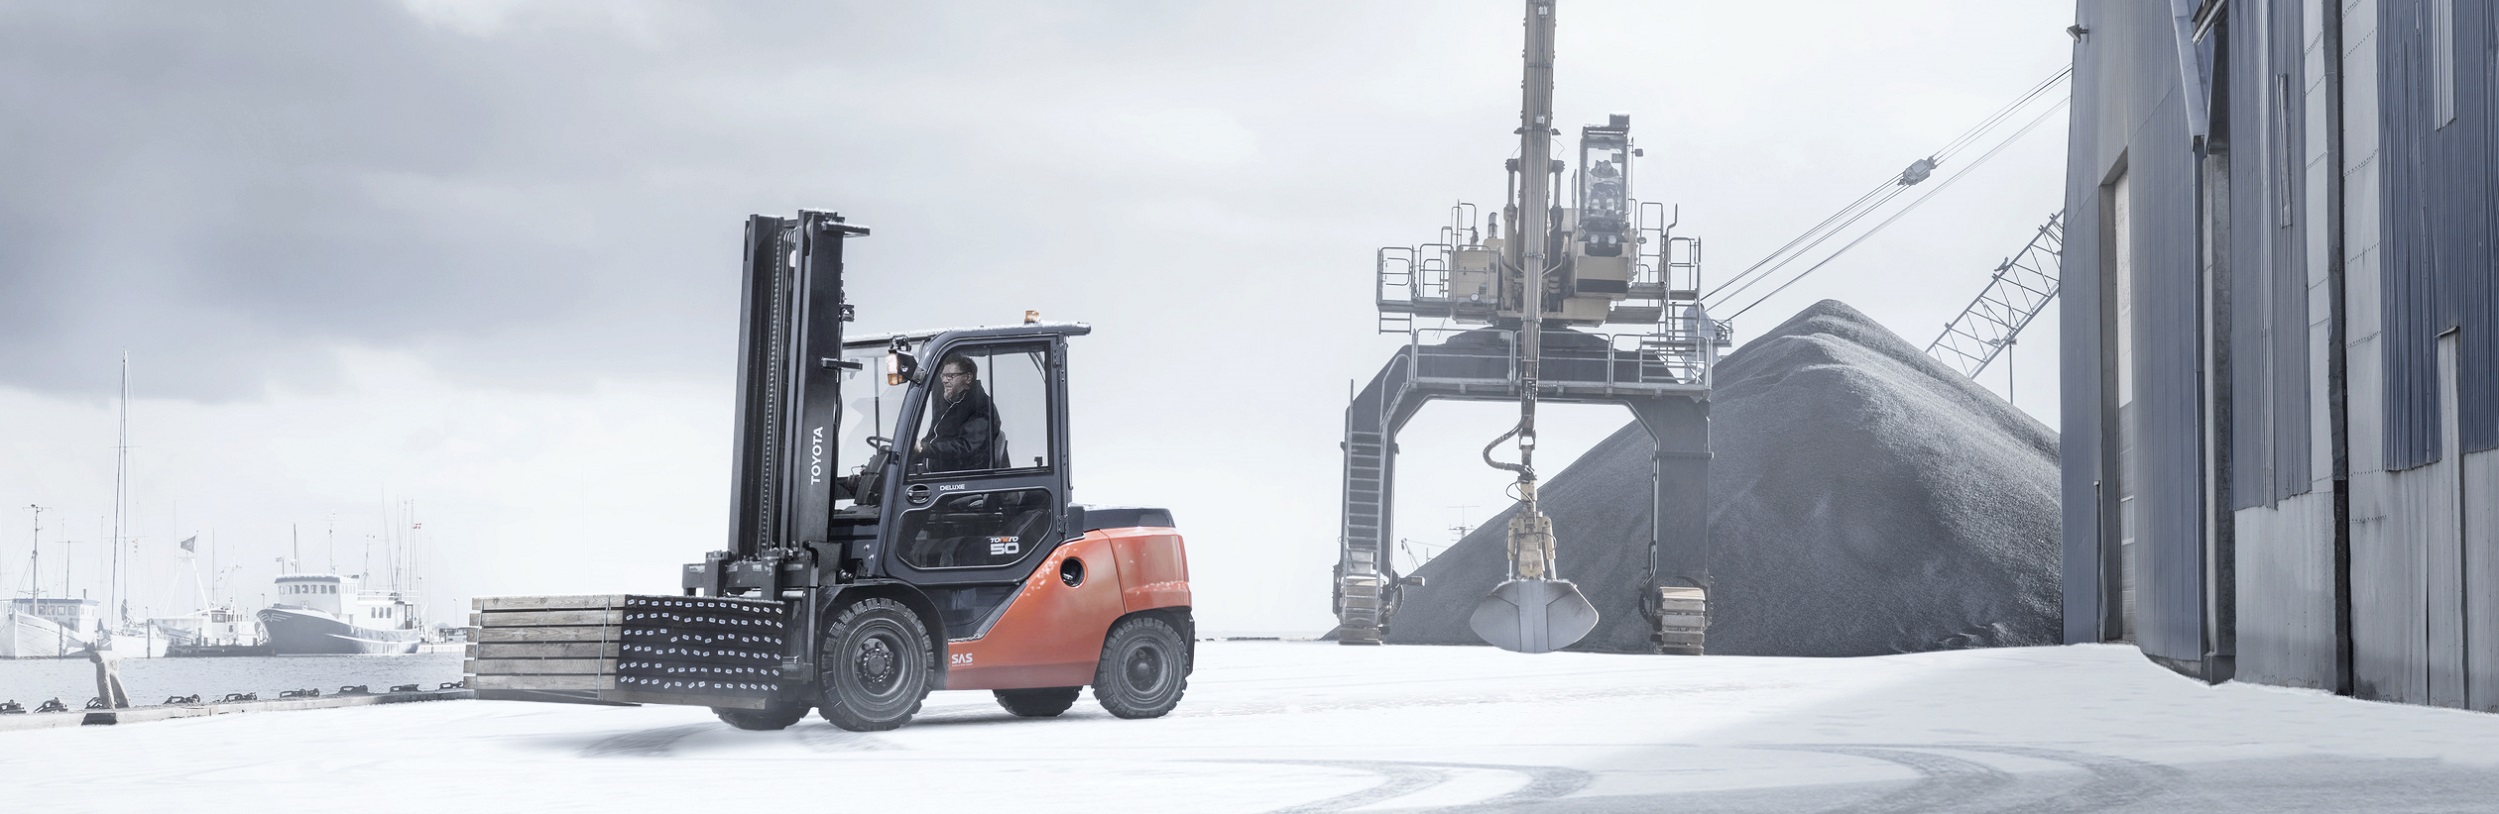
{"type": "Point", "coordinates": [482, 255]}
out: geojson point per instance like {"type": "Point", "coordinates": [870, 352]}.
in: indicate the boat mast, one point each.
{"type": "Point", "coordinates": [115, 583]}
{"type": "Point", "coordinates": [34, 559]}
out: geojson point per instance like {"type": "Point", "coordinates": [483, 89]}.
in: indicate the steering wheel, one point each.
{"type": "Point", "coordinates": [881, 444]}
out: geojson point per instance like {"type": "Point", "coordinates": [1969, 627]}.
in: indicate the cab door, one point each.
{"type": "Point", "coordinates": [984, 485]}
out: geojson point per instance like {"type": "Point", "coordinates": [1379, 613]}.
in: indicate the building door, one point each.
{"type": "Point", "coordinates": [2122, 327]}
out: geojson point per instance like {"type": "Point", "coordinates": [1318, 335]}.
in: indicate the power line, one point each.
{"type": "Point", "coordinates": [1874, 199]}
{"type": "Point", "coordinates": [1913, 205]}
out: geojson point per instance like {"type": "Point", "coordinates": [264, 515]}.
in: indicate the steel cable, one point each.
{"type": "Point", "coordinates": [1913, 205]}
{"type": "Point", "coordinates": [1883, 193]}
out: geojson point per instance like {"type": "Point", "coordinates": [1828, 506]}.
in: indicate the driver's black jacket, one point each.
{"type": "Point", "coordinates": [965, 435]}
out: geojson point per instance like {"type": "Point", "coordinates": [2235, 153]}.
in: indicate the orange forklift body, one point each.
{"type": "Point", "coordinates": [1051, 633]}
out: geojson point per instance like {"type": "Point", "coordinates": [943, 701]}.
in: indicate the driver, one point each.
{"type": "Point", "coordinates": [965, 433]}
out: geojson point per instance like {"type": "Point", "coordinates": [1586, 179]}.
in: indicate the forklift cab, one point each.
{"type": "Point", "coordinates": [965, 483]}
{"type": "Point", "coordinates": [972, 496]}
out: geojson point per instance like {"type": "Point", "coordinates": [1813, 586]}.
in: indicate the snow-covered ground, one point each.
{"type": "Point", "coordinates": [1292, 726]}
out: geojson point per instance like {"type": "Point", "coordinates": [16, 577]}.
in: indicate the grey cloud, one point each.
{"type": "Point", "coordinates": [227, 191]}
{"type": "Point", "coordinates": [550, 195]}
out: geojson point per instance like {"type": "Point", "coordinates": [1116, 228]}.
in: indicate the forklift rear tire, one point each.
{"type": "Point", "coordinates": [778, 715]}
{"type": "Point", "coordinates": [876, 663]}
{"type": "Point", "coordinates": [1046, 702]}
{"type": "Point", "coordinates": [1144, 668]}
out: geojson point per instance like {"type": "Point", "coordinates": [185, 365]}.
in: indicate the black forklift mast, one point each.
{"type": "Point", "coordinates": [789, 407]}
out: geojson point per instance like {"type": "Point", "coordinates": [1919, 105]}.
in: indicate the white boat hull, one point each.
{"type": "Point", "coordinates": [27, 636]}
{"type": "Point", "coordinates": [305, 631]}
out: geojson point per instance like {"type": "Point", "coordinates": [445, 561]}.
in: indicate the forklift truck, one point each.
{"type": "Point", "coordinates": [947, 556]}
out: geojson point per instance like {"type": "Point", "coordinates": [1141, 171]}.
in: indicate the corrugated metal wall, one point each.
{"type": "Point", "coordinates": [2420, 313]}
{"type": "Point", "coordinates": [2128, 114]}
{"type": "Point", "coordinates": [2268, 243]}
{"type": "Point", "coordinates": [2442, 207]}
{"type": "Point", "coordinates": [2094, 138]}
{"type": "Point", "coordinates": [2420, 352]}
{"type": "Point", "coordinates": [2285, 527]}
{"type": "Point", "coordinates": [2169, 492]}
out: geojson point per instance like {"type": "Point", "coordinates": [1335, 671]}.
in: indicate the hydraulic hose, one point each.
{"type": "Point", "coordinates": [1502, 465]}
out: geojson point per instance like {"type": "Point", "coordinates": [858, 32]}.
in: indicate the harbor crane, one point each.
{"type": "Point", "coordinates": [1519, 310]}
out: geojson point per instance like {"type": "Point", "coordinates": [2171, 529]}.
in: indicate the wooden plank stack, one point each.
{"type": "Point", "coordinates": [619, 648]}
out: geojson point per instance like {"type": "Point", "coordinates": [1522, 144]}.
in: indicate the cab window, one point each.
{"type": "Point", "coordinates": [988, 410]}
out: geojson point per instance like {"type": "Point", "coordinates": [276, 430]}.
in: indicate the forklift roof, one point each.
{"type": "Point", "coordinates": [985, 332]}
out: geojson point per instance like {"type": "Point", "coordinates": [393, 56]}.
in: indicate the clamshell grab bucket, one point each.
{"type": "Point", "coordinates": [1534, 616]}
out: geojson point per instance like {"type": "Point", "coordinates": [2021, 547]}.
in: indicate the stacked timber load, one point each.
{"type": "Point", "coordinates": [705, 651]}
{"type": "Point", "coordinates": [1864, 499]}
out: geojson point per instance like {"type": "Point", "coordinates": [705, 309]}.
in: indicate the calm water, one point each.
{"type": "Point", "coordinates": [149, 681]}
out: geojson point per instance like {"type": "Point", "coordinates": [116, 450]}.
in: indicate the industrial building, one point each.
{"type": "Point", "coordinates": [2279, 352]}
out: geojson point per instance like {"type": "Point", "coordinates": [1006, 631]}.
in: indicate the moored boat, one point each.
{"type": "Point", "coordinates": [327, 614]}
{"type": "Point", "coordinates": [47, 627]}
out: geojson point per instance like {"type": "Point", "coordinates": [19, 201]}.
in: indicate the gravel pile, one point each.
{"type": "Point", "coordinates": [1864, 499]}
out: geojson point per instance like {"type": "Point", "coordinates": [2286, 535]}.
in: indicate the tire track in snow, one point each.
{"type": "Point", "coordinates": [1543, 783]}
{"type": "Point", "coordinates": [835, 739]}
{"type": "Point", "coordinates": [2115, 781]}
{"type": "Point", "coordinates": [1220, 709]}
{"type": "Point", "coordinates": [1401, 779]}
{"type": "Point", "coordinates": [1397, 780]}
{"type": "Point", "coordinates": [646, 743]}
{"type": "Point", "coordinates": [1943, 781]}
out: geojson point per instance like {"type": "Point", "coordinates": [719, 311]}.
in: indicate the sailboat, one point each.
{"type": "Point", "coordinates": [216, 629]}
{"type": "Point", "coordinates": [124, 633]}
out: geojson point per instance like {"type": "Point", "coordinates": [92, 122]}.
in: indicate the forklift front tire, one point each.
{"type": "Point", "coordinates": [1144, 668]}
{"type": "Point", "coordinates": [1046, 702]}
{"type": "Point", "coordinates": [876, 663]}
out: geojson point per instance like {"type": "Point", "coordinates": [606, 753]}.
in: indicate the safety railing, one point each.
{"type": "Point", "coordinates": [1678, 356]}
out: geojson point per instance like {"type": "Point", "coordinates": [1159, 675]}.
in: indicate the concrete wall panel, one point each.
{"type": "Point", "coordinates": [2286, 592]}
{"type": "Point", "coordinates": [2480, 490]}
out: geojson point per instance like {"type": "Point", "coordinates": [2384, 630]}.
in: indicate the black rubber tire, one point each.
{"type": "Point", "coordinates": [1046, 702]}
{"type": "Point", "coordinates": [876, 664]}
{"type": "Point", "coordinates": [780, 714]}
{"type": "Point", "coordinates": [1144, 668]}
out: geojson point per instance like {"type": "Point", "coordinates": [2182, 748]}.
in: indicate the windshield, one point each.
{"type": "Point", "coordinates": [870, 406]}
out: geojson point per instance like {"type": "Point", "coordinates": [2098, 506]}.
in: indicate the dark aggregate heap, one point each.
{"type": "Point", "coordinates": [1864, 499]}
